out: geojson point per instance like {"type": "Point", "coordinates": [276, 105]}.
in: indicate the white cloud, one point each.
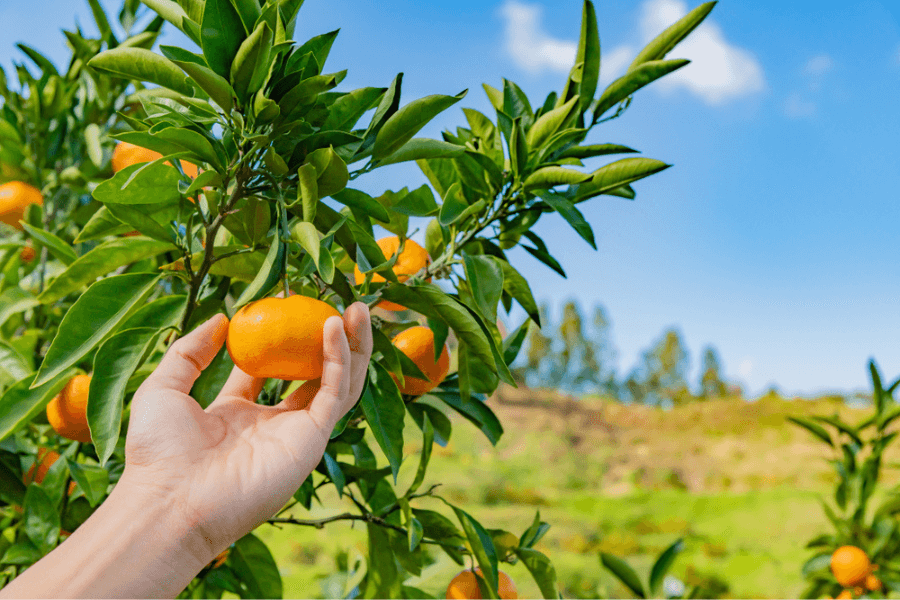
{"type": "Point", "coordinates": [819, 65]}
{"type": "Point", "coordinates": [718, 71]}
{"type": "Point", "coordinates": [797, 108]}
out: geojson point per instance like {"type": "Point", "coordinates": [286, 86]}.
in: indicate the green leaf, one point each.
{"type": "Point", "coordinates": [215, 86]}
{"type": "Point", "coordinates": [92, 318]}
{"type": "Point", "coordinates": [593, 150]}
{"type": "Point", "coordinates": [517, 286]}
{"type": "Point", "coordinates": [534, 533]}
{"type": "Point", "coordinates": [361, 201]}
{"type": "Point", "coordinates": [423, 148]}
{"type": "Point", "coordinates": [39, 59]}
{"type": "Point", "coordinates": [335, 473]}
{"type": "Point", "coordinates": [221, 34]}
{"type": "Point", "coordinates": [813, 427]}
{"type": "Point", "coordinates": [516, 104]}
{"type": "Point", "coordinates": [624, 573]}
{"type": "Point", "coordinates": [549, 177]}
{"type": "Point", "coordinates": [12, 490]}
{"type": "Point", "coordinates": [383, 579]}
{"type": "Point", "coordinates": [572, 216]}
{"type": "Point", "coordinates": [662, 566]}
{"type": "Point", "coordinates": [13, 366]}
{"type": "Point", "coordinates": [418, 203]}
{"type": "Point", "coordinates": [15, 300]}
{"type": "Point", "coordinates": [142, 222]}
{"type": "Point", "coordinates": [348, 109]}
{"type": "Point", "coordinates": [541, 570]}
{"type": "Point", "coordinates": [513, 342]}
{"type": "Point", "coordinates": [549, 123]}
{"type": "Point", "coordinates": [454, 205]}
{"type": "Point", "coordinates": [668, 39]}
{"type": "Point", "coordinates": [92, 479]}
{"type": "Point", "coordinates": [251, 64]}
{"type": "Point", "coordinates": [213, 378]}
{"type": "Point", "coordinates": [249, 12]}
{"type": "Point", "coordinates": [41, 519]}
{"type": "Point", "coordinates": [174, 14]}
{"type": "Point", "coordinates": [485, 278]}
{"type": "Point", "coordinates": [518, 148]}
{"type": "Point", "coordinates": [441, 425]}
{"type": "Point", "coordinates": [142, 65]}
{"type": "Point", "coordinates": [431, 301]}
{"type": "Point", "coordinates": [482, 548]}
{"type": "Point", "coordinates": [92, 144]}
{"type": "Point", "coordinates": [474, 410]}
{"type": "Point", "coordinates": [384, 410]}
{"type": "Point", "coordinates": [588, 54]}
{"type": "Point", "coordinates": [617, 174]}
{"type": "Point", "coordinates": [103, 259]}
{"type": "Point", "coordinates": [632, 81]}
{"type": "Point", "coordinates": [253, 563]}
{"type": "Point", "coordinates": [151, 183]}
{"type": "Point", "coordinates": [427, 445]}
{"type": "Point", "coordinates": [21, 404]}
{"type": "Point", "coordinates": [406, 122]}
{"type": "Point", "coordinates": [115, 362]}
{"type": "Point", "coordinates": [320, 46]}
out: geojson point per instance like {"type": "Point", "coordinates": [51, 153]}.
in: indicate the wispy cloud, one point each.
{"type": "Point", "coordinates": [796, 107]}
{"type": "Point", "coordinates": [719, 71]}
{"type": "Point", "coordinates": [819, 65]}
{"type": "Point", "coordinates": [802, 105]}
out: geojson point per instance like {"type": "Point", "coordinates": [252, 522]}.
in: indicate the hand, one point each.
{"type": "Point", "coordinates": [226, 469]}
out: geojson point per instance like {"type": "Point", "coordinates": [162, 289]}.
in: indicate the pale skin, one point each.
{"type": "Point", "coordinates": [197, 480]}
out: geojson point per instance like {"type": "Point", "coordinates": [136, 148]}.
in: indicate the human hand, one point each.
{"type": "Point", "coordinates": [228, 468]}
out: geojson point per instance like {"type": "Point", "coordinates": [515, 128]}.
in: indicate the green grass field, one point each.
{"type": "Point", "coordinates": [734, 479]}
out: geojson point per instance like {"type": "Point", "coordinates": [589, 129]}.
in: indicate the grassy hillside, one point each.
{"type": "Point", "coordinates": [738, 482]}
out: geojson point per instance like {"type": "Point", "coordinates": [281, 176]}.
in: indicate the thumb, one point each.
{"type": "Point", "coordinates": [189, 355]}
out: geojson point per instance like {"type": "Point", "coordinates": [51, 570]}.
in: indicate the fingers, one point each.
{"type": "Point", "coordinates": [358, 326]}
{"type": "Point", "coordinates": [189, 355]}
{"type": "Point", "coordinates": [330, 403]}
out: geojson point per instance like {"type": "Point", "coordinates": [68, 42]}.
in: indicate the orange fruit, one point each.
{"type": "Point", "coordinates": [280, 337]}
{"type": "Point", "coordinates": [873, 583]}
{"type": "Point", "coordinates": [67, 412]}
{"type": "Point", "coordinates": [220, 558]}
{"type": "Point", "coordinates": [845, 595]}
{"type": "Point", "coordinates": [15, 196]}
{"type": "Point", "coordinates": [37, 471]}
{"type": "Point", "coordinates": [27, 254]}
{"type": "Point", "coordinates": [127, 154]}
{"type": "Point", "coordinates": [850, 566]}
{"type": "Point", "coordinates": [465, 585]}
{"type": "Point", "coordinates": [412, 260]}
{"type": "Point", "coordinates": [418, 344]}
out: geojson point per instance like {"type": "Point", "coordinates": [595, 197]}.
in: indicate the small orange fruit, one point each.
{"type": "Point", "coordinates": [412, 260]}
{"type": "Point", "coordinates": [27, 254]}
{"type": "Point", "coordinates": [67, 412]}
{"type": "Point", "coordinates": [873, 583]}
{"type": "Point", "coordinates": [37, 471]}
{"type": "Point", "coordinates": [127, 154]}
{"type": "Point", "coordinates": [465, 585]}
{"type": "Point", "coordinates": [220, 558]}
{"type": "Point", "coordinates": [15, 196]}
{"type": "Point", "coordinates": [850, 566]}
{"type": "Point", "coordinates": [280, 337]}
{"type": "Point", "coordinates": [418, 344]}
{"type": "Point", "coordinates": [845, 595]}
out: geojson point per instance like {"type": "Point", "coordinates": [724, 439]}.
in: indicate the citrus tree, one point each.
{"type": "Point", "coordinates": [229, 180]}
{"type": "Point", "coordinates": [865, 539]}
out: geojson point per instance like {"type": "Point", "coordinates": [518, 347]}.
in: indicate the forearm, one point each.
{"type": "Point", "coordinates": [131, 547]}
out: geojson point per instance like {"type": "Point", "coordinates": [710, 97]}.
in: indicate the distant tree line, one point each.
{"type": "Point", "coordinates": [577, 354]}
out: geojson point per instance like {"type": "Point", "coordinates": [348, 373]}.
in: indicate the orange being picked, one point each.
{"type": "Point", "coordinates": [67, 412]}
{"type": "Point", "coordinates": [412, 260]}
{"type": "Point", "coordinates": [850, 566]}
{"type": "Point", "coordinates": [37, 471]}
{"type": "Point", "coordinates": [280, 338]}
{"type": "Point", "coordinates": [15, 196]}
{"type": "Point", "coordinates": [127, 154]}
{"type": "Point", "coordinates": [418, 344]}
{"type": "Point", "coordinates": [465, 585]}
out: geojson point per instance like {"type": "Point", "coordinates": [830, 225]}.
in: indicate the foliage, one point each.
{"type": "Point", "coordinates": [858, 450]}
{"type": "Point", "coordinates": [277, 146]}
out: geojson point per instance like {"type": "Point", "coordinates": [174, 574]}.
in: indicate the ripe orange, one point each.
{"type": "Point", "coordinates": [845, 595]}
{"type": "Point", "coordinates": [418, 344]}
{"type": "Point", "coordinates": [850, 566]}
{"type": "Point", "coordinates": [280, 337]}
{"type": "Point", "coordinates": [67, 412]}
{"type": "Point", "coordinates": [27, 254]}
{"type": "Point", "coordinates": [127, 154]}
{"type": "Point", "coordinates": [412, 260]}
{"type": "Point", "coordinates": [220, 558]}
{"type": "Point", "coordinates": [464, 585]}
{"type": "Point", "coordinates": [15, 196]}
{"type": "Point", "coordinates": [37, 471]}
{"type": "Point", "coordinates": [873, 583]}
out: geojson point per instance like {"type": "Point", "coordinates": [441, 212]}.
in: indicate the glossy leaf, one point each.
{"type": "Point", "coordinates": [14, 300]}
{"type": "Point", "coordinates": [517, 286]}
{"type": "Point", "coordinates": [215, 86]}
{"type": "Point", "coordinates": [540, 252]}
{"type": "Point", "coordinates": [255, 566]}
{"type": "Point", "coordinates": [92, 318]}
{"type": "Point", "coordinates": [347, 110]}
{"type": "Point", "coordinates": [358, 200]}
{"type": "Point", "coordinates": [482, 547]}
{"type": "Point", "coordinates": [142, 222]}
{"type": "Point", "coordinates": [427, 445]}
{"type": "Point", "coordinates": [541, 570]}
{"type": "Point", "coordinates": [662, 566]}
{"type": "Point", "coordinates": [588, 54]}
{"type": "Point", "coordinates": [549, 177]}
{"type": "Point", "coordinates": [151, 183]}
{"type": "Point", "coordinates": [549, 123]}
{"type": "Point", "coordinates": [142, 65]}
{"type": "Point", "coordinates": [518, 148]}
{"type": "Point", "coordinates": [41, 519]}
{"type": "Point", "coordinates": [383, 579]}
{"type": "Point", "coordinates": [593, 150]}
{"type": "Point", "coordinates": [441, 425]}
{"type": "Point", "coordinates": [624, 573]}
{"type": "Point", "coordinates": [13, 366]}
{"type": "Point", "coordinates": [20, 404]}
{"type": "Point", "coordinates": [251, 63]}
{"type": "Point", "coordinates": [572, 216]}
{"type": "Point", "coordinates": [268, 276]}
{"type": "Point", "coordinates": [474, 410]}
{"type": "Point", "coordinates": [485, 279]}
{"type": "Point", "coordinates": [813, 427]}
{"type": "Point", "coordinates": [407, 121]}
{"type": "Point", "coordinates": [221, 34]}
{"type": "Point", "coordinates": [384, 410]}
{"type": "Point", "coordinates": [422, 148]}
{"type": "Point", "coordinates": [91, 479]}
{"type": "Point", "coordinates": [617, 174]}
{"type": "Point", "coordinates": [668, 39]}
{"type": "Point", "coordinates": [210, 382]}
{"type": "Point", "coordinates": [626, 85]}
{"type": "Point", "coordinates": [115, 362]}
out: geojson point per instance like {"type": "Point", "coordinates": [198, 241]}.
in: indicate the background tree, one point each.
{"type": "Point", "coordinates": [664, 370]}
{"type": "Point", "coordinates": [711, 383]}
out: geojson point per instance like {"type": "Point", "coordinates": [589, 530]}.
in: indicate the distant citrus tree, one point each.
{"type": "Point", "coordinates": [153, 208]}
{"type": "Point", "coordinates": [861, 558]}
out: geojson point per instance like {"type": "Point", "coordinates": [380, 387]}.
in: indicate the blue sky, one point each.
{"type": "Point", "coordinates": [774, 236]}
